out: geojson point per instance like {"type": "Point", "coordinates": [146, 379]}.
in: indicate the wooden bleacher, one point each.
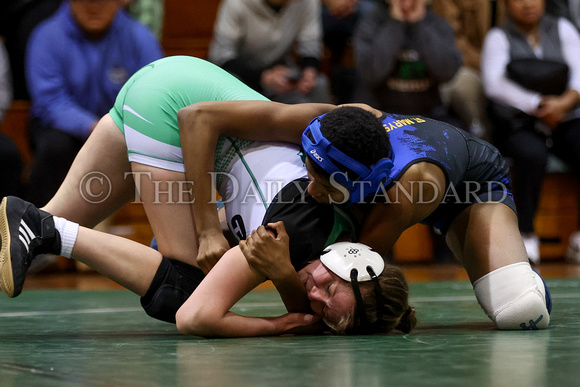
{"type": "Point", "coordinates": [557, 215]}
{"type": "Point", "coordinates": [188, 27]}
{"type": "Point", "coordinates": [15, 127]}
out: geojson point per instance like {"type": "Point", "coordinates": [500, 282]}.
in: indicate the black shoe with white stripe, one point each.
{"type": "Point", "coordinates": [26, 232]}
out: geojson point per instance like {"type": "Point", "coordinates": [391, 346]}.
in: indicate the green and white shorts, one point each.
{"type": "Point", "coordinates": [247, 174]}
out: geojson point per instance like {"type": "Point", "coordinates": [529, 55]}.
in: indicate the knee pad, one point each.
{"type": "Point", "coordinates": [172, 285]}
{"type": "Point", "coordinates": [514, 297]}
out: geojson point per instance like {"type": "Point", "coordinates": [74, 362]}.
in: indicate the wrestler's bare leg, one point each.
{"type": "Point", "coordinates": [167, 201]}
{"type": "Point", "coordinates": [126, 262]}
{"type": "Point", "coordinates": [99, 181]}
{"type": "Point", "coordinates": [485, 237]}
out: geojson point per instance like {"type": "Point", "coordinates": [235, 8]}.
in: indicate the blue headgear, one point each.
{"type": "Point", "coordinates": [323, 153]}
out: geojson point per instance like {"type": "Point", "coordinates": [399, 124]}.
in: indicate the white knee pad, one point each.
{"type": "Point", "coordinates": [514, 297]}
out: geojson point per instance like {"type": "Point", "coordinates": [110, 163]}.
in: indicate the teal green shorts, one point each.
{"type": "Point", "coordinates": [146, 108]}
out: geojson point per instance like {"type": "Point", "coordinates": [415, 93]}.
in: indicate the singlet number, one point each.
{"type": "Point", "coordinates": [238, 227]}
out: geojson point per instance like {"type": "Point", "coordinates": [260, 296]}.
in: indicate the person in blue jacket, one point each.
{"type": "Point", "coordinates": [76, 63]}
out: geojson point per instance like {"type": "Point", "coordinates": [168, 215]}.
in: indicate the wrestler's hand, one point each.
{"type": "Point", "coordinates": [211, 248]}
{"type": "Point", "coordinates": [302, 324]}
{"type": "Point", "coordinates": [269, 254]}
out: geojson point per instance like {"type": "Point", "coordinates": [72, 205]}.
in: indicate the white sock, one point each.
{"type": "Point", "coordinates": [68, 235]}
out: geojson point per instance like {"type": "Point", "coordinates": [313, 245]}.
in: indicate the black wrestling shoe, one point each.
{"type": "Point", "coordinates": [26, 232]}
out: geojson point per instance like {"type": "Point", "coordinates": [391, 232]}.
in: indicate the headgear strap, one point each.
{"type": "Point", "coordinates": [324, 154]}
{"type": "Point", "coordinates": [360, 308]}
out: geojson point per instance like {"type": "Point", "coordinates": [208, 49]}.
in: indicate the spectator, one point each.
{"type": "Point", "coordinates": [570, 9]}
{"type": "Point", "coordinates": [254, 40]}
{"type": "Point", "coordinates": [533, 101]}
{"type": "Point", "coordinates": [77, 61]}
{"type": "Point", "coordinates": [18, 18]}
{"type": "Point", "coordinates": [10, 161]}
{"type": "Point", "coordinates": [339, 20]}
{"type": "Point", "coordinates": [470, 21]}
{"type": "Point", "coordinates": [403, 53]}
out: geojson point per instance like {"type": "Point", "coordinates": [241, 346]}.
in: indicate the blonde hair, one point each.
{"type": "Point", "coordinates": [394, 307]}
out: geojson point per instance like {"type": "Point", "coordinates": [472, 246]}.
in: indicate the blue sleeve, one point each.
{"type": "Point", "coordinates": [45, 72]}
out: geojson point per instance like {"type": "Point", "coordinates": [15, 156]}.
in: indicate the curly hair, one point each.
{"type": "Point", "coordinates": [357, 133]}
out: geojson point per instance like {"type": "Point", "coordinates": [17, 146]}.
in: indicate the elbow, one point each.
{"type": "Point", "coordinates": [194, 322]}
{"type": "Point", "coordinates": [187, 115]}
{"type": "Point", "coordinates": [490, 88]}
{"type": "Point", "coordinates": [493, 94]}
{"type": "Point", "coordinates": [183, 323]}
{"type": "Point", "coordinates": [192, 114]}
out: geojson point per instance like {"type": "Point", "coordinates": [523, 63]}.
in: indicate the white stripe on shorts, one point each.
{"type": "Point", "coordinates": [148, 151]}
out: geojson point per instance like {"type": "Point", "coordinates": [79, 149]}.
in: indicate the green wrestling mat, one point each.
{"type": "Point", "coordinates": [103, 338]}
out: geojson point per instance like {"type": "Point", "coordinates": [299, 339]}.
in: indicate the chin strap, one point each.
{"type": "Point", "coordinates": [364, 323]}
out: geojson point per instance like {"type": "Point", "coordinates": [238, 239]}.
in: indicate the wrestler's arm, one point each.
{"type": "Point", "coordinates": [200, 126]}
{"type": "Point", "coordinates": [268, 253]}
{"type": "Point", "coordinates": [425, 185]}
{"type": "Point", "coordinates": [207, 311]}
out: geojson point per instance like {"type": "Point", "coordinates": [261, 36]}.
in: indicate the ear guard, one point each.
{"type": "Point", "coordinates": [323, 153]}
{"type": "Point", "coordinates": [354, 262]}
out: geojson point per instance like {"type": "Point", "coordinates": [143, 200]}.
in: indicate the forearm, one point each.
{"type": "Point", "coordinates": [292, 292]}
{"type": "Point", "coordinates": [201, 125]}
{"type": "Point", "coordinates": [207, 312]}
{"type": "Point", "coordinates": [569, 99]}
{"type": "Point", "coordinates": [252, 120]}
{"type": "Point", "coordinates": [198, 146]}
{"type": "Point", "coordinates": [234, 325]}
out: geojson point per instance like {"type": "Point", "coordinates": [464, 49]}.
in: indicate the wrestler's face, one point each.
{"type": "Point", "coordinates": [95, 16]}
{"type": "Point", "coordinates": [322, 190]}
{"type": "Point", "coordinates": [330, 296]}
{"type": "Point", "coordinates": [525, 12]}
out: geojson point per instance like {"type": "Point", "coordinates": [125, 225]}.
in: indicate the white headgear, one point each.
{"type": "Point", "coordinates": [342, 257]}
